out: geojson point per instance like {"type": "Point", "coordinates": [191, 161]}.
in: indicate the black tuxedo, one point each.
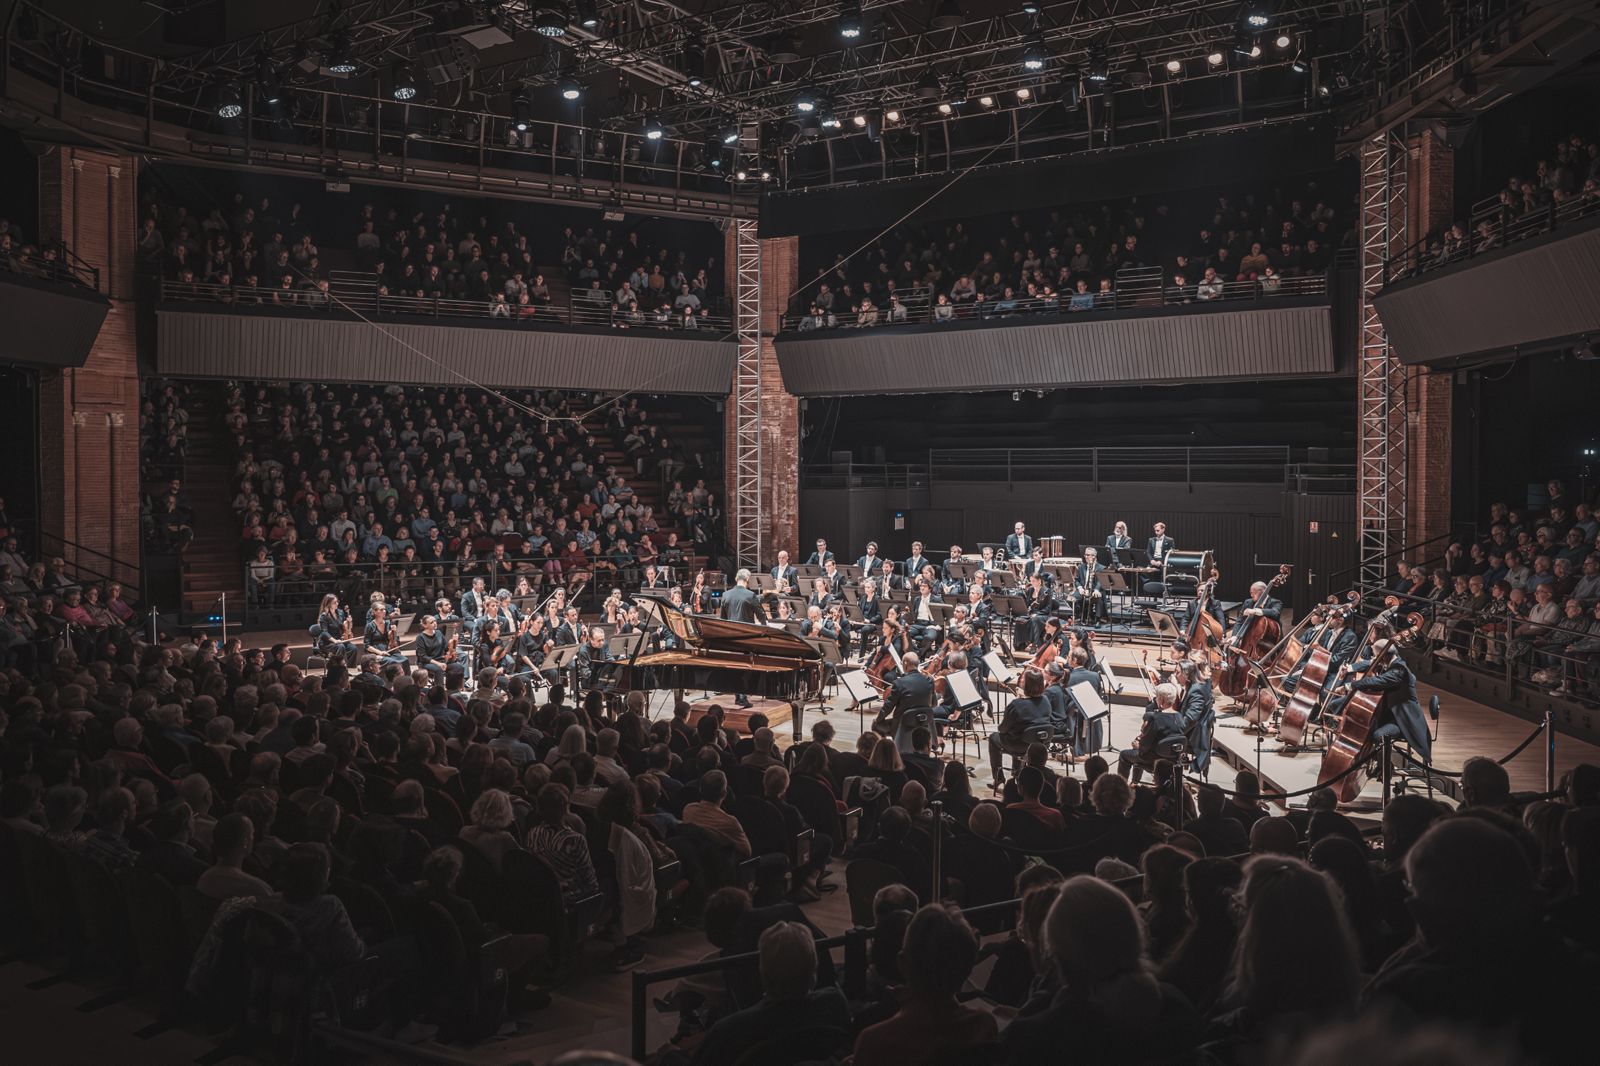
{"type": "Point", "coordinates": [1011, 737]}
{"type": "Point", "coordinates": [786, 573]}
{"type": "Point", "coordinates": [819, 560]}
{"type": "Point", "coordinates": [1019, 547]}
{"type": "Point", "coordinates": [869, 564]}
{"type": "Point", "coordinates": [1086, 739]}
{"type": "Point", "coordinates": [1037, 567]}
{"type": "Point", "coordinates": [915, 564]}
{"type": "Point", "coordinates": [1270, 608]}
{"type": "Point", "coordinates": [739, 604]}
{"type": "Point", "coordinates": [1158, 547]}
{"type": "Point", "coordinates": [910, 691]}
{"type": "Point", "coordinates": [1087, 607]}
{"type": "Point", "coordinates": [1199, 721]}
{"type": "Point", "coordinates": [1117, 543]}
{"type": "Point", "coordinates": [1400, 714]}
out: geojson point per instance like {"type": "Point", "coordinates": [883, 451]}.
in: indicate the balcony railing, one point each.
{"type": "Point", "coordinates": [1094, 465]}
{"type": "Point", "coordinates": [55, 262]}
{"type": "Point", "coordinates": [1492, 225]}
{"type": "Point", "coordinates": [1143, 287]}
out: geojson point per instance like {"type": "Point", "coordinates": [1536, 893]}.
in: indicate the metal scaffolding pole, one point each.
{"type": "Point", "coordinates": [1381, 492]}
{"type": "Point", "coordinates": [747, 517]}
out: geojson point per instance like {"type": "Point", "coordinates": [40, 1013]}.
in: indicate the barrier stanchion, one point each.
{"type": "Point", "coordinates": [1549, 750]}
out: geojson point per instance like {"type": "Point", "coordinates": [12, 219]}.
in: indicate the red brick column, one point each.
{"type": "Point", "coordinates": [1428, 392]}
{"type": "Point", "coordinates": [780, 412]}
{"type": "Point", "coordinates": [89, 417]}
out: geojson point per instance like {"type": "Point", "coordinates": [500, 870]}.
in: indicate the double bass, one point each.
{"type": "Point", "coordinates": [1258, 637]}
{"type": "Point", "coordinates": [1310, 687]}
{"type": "Point", "coordinates": [1350, 745]}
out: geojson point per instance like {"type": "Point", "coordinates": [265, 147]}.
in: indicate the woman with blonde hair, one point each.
{"type": "Point", "coordinates": [490, 831]}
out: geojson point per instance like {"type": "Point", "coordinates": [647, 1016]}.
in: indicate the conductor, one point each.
{"type": "Point", "coordinates": [912, 690]}
{"type": "Point", "coordinates": [739, 604]}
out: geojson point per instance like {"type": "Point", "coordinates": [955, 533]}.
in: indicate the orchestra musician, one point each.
{"type": "Point", "coordinates": [1261, 606]}
{"type": "Point", "coordinates": [473, 605]}
{"type": "Point", "coordinates": [491, 648]}
{"type": "Point", "coordinates": [869, 561]}
{"type": "Point", "coordinates": [818, 625]}
{"type": "Point", "coordinates": [870, 605]}
{"type": "Point", "coordinates": [912, 690]}
{"type": "Point", "coordinates": [505, 612]}
{"type": "Point", "coordinates": [1159, 544]}
{"type": "Point", "coordinates": [1118, 540]}
{"type": "Point", "coordinates": [950, 587]}
{"type": "Point", "coordinates": [955, 557]}
{"type": "Point", "coordinates": [592, 656]}
{"type": "Point", "coordinates": [1400, 713]}
{"type": "Point", "coordinates": [835, 580]}
{"type": "Point", "coordinates": [924, 626]}
{"type": "Point", "coordinates": [332, 631]}
{"type": "Point", "coordinates": [654, 579]}
{"type": "Point", "coordinates": [887, 578]}
{"type": "Point", "coordinates": [1019, 545]}
{"type": "Point", "coordinates": [1197, 708]}
{"type": "Point", "coordinates": [570, 631]}
{"type": "Point", "coordinates": [1027, 711]}
{"type": "Point", "coordinates": [821, 556]}
{"type": "Point", "coordinates": [378, 635]}
{"type": "Point", "coordinates": [1161, 723]}
{"type": "Point", "coordinates": [786, 576]}
{"type": "Point", "coordinates": [821, 594]}
{"type": "Point", "coordinates": [700, 594]}
{"type": "Point", "coordinates": [1041, 609]}
{"type": "Point", "coordinates": [986, 560]}
{"type": "Point", "coordinates": [841, 627]}
{"type": "Point", "coordinates": [1087, 737]}
{"type": "Point", "coordinates": [1334, 635]}
{"type": "Point", "coordinates": [1036, 565]}
{"type": "Point", "coordinates": [434, 652]}
{"type": "Point", "coordinates": [529, 647]}
{"type": "Point", "coordinates": [1089, 601]}
{"type": "Point", "coordinates": [916, 562]}
{"type": "Point", "coordinates": [445, 612]}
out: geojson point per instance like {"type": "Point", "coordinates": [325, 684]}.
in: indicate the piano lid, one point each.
{"type": "Point", "coordinates": [719, 634]}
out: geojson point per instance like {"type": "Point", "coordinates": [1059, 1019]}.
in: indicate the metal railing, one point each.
{"type": "Point", "coordinates": [53, 262]}
{"type": "Point", "coordinates": [1142, 287]}
{"type": "Point", "coordinates": [863, 475]}
{"type": "Point", "coordinates": [310, 300]}
{"type": "Point", "coordinates": [1492, 225]}
{"type": "Point", "coordinates": [1267, 464]}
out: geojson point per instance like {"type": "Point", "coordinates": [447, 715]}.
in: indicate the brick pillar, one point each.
{"type": "Point", "coordinates": [780, 412]}
{"type": "Point", "coordinates": [1428, 392]}
{"type": "Point", "coordinates": [89, 417]}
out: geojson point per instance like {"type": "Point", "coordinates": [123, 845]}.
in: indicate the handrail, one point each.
{"type": "Point", "coordinates": [1491, 225]}
{"type": "Point", "coordinates": [1333, 577]}
{"type": "Point", "coordinates": [1187, 464]}
{"type": "Point", "coordinates": [65, 265]}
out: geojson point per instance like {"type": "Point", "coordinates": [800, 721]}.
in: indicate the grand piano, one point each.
{"type": "Point", "coordinates": [717, 655]}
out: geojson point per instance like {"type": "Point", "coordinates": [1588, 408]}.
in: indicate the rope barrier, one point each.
{"type": "Point", "coordinates": [1412, 760]}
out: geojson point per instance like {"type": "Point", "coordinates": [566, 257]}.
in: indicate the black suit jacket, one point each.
{"type": "Point", "coordinates": [786, 573]}
{"type": "Point", "coordinates": [739, 604]}
{"type": "Point", "coordinates": [1158, 726]}
{"type": "Point", "coordinates": [909, 691]}
{"type": "Point", "coordinates": [1399, 687]}
{"type": "Point", "coordinates": [1270, 608]}
{"type": "Point", "coordinates": [915, 564]}
{"type": "Point", "coordinates": [869, 564]}
{"type": "Point", "coordinates": [819, 560]}
{"type": "Point", "coordinates": [1019, 546]}
{"type": "Point", "coordinates": [1158, 547]}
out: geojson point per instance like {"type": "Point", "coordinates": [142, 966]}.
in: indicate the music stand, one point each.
{"type": "Point", "coordinates": [766, 582]}
{"type": "Point", "coordinates": [829, 650]}
{"type": "Point", "coordinates": [964, 569]}
{"type": "Point", "coordinates": [860, 690]}
{"type": "Point", "coordinates": [1094, 710]}
{"type": "Point", "coordinates": [1062, 572]}
{"type": "Point", "coordinates": [942, 613]}
{"type": "Point", "coordinates": [1165, 625]}
{"type": "Point", "coordinates": [807, 572]}
{"type": "Point", "coordinates": [849, 571]}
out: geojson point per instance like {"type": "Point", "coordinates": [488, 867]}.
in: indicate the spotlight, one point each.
{"type": "Point", "coordinates": [1215, 59]}
{"type": "Point", "coordinates": [1099, 67]}
{"type": "Point", "coordinates": [340, 61]}
{"type": "Point", "coordinates": [826, 117]}
{"type": "Point", "coordinates": [850, 19]}
{"type": "Point", "coordinates": [1243, 43]}
{"type": "Point", "coordinates": [1138, 75]}
{"type": "Point", "coordinates": [1283, 40]}
{"type": "Point", "coordinates": [986, 101]}
{"type": "Point", "coordinates": [694, 64]}
{"type": "Point", "coordinates": [945, 109]}
{"type": "Point", "coordinates": [928, 85]}
{"type": "Point", "coordinates": [785, 48]}
{"type": "Point", "coordinates": [729, 133]}
{"type": "Point", "coordinates": [892, 115]}
{"type": "Point", "coordinates": [588, 14]}
{"type": "Point", "coordinates": [741, 174]}
{"type": "Point", "coordinates": [766, 173]}
{"type": "Point", "coordinates": [570, 88]}
{"type": "Point", "coordinates": [805, 100]}
{"type": "Point", "coordinates": [653, 129]}
{"type": "Point", "coordinates": [1071, 95]}
{"type": "Point", "coordinates": [860, 122]}
{"type": "Point", "coordinates": [1174, 66]}
{"type": "Point", "coordinates": [958, 90]}
{"type": "Point", "coordinates": [402, 84]}
{"type": "Point", "coordinates": [1255, 51]}
{"type": "Point", "coordinates": [1323, 91]}
{"type": "Point", "coordinates": [1024, 93]}
{"type": "Point", "coordinates": [550, 20]}
{"type": "Point", "coordinates": [229, 103]}
{"type": "Point", "coordinates": [521, 110]}
{"type": "Point", "coordinates": [948, 16]}
{"type": "Point", "coordinates": [1300, 64]}
{"type": "Point", "coordinates": [1034, 54]}
{"type": "Point", "coordinates": [1255, 14]}
{"type": "Point", "coordinates": [1030, 8]}
{"type": "Point", "coordinates": [873, 121]}
{"type": "Point", "coordinates": [268, 80]}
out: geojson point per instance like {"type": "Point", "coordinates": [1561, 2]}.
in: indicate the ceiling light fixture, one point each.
{"type": "Point", "coordinates": [1024, 93]}
{"type": "Point", "coordinates": [1283, 40]}
{"type": "Point", "coordinates": [230, 104]}
{"type": "Point", "coordinates": [1174, 66]}
{"type": "Point", "coordinates": [521, 110]}
{"type": "Point", "coordinates": [945, 109]}
{"type": "Point", "coordinates": [550, 20]}
{"type": "Point", "coordinates": [948, 16]}
{"type": "Point", "coordinates": [571, 88]}
{"type": "Point", "coordinates": [402, 84]}
{"type": "Point", "coordinates": [850, 19]}
{"type": "Point", "coordinates": [1034, 53]}
{"type": "Point", "coordinates": [986, 101]}
{"type": "Point", "coordinates": [588, 14]}
{"type": "Point", "coordinates": [340, 61]}
{"type": "Point", "coordinates": [1215, 59]}
{"type": "Point", "coordinates": [653, 128]}
{"type": "Point", "coordinates": [1255, 14]}
{"type": "Point", "coordinates": [928, 85]}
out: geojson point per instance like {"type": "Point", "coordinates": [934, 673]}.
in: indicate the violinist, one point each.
{"type": "Point", "coordinates": [1400, 713]}
{"type": "Point", "coordinates": [821, 595]}
{"type": "Point", "coordinates": [505, 612]}
{"type": "Point", "coordinates": [491, 648]}
{"type": "Point", "coordinates": [1028, 711]}
{"type": "Point", "coordinates": [655, 579]}
{"type": "Point", "coordinates": [911, 690]}
{"type": "Point", "coordinates": [1041, 609]}
{"type": "Point", "coordinates": [841, 627]}
{"type": "Point", "coordinates": [529, 648]}
{"type": "Point", "coordinates": [434, 652]}
{"type": "Point", "coordinates": [1261, 605]}
{"type": "Point", "coordinates": [947, 713]}
{"type": "Point", "coordinates": [332, 631]}
{"type": "Point", "coordinates": [1089, 601]}
{"type": "Point", "coordinates": [379, 636]}
{"type": "Point", "coordinates": [979, 610]}
{"type": "Point", "coordinates": [1161, 723]}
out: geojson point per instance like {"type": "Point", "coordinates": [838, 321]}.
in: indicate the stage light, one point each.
{"type": "Point", "coordinates": [694, 64]}
{"type": "Point", "coordinates": [958, 90]}
{"type": "Point", "coordinates": [1283, 40]}
{"type": "Point", "coordinates": [654, 130]}
{"type": "Point", "coordinates": [571, 88]}
{"type": "Point", "coordinates": [729, 133]}
{"type": "Point", "coordinates": [860, 122]}
{"type": "Point", "coordinates": [229, 102]}
{"type": "Point", "coordinates": [1323, 91]}
{"type": "Point", "coordinates": [946, 109]}
{"type": "Point", "coordinates": [1030, 8]}
{"type": "Point", "coordinates": [1243, 43]}
{"type": "Point", "coordinates": [588, 14]}
{"type": "Point", "coordinates": [826, 117]}
{"type": "Point", "coordinates": [521, 110]}
{"type": "Point", "coordinates": [785, 48]}
{"type": "Point", "coordinates": [1024, 93]}
{"type": "Point", "coordinates": [340, 61]}
{"type": "Point", "coordinates": [741, 174]}
{"type": "Point", "coordinates": [1137, 76]}
{"type": "Point", "coordinates": [1098, 69]}
{"type": "Point", "coordinates": [766, 174]}
{"type": "Point", "coordinates": [1255, 14]}
{"type": "Point", "coordinates": [928, 85]}
{"type": "Point", "coordinates": [948, 16]}
{"type": "Point", "coordinates": [1255, 51]}
{"type": "Point", "coordinates": [1300, 64]}
{"type": "Point", "coordinates": [892, 115]}
{"type": "Point", "coordinates": [1174, 66]}
{"type": "Point", "coordinates": [986, 101]}
{"type": "Point", "coordinates": [402, 84]}
{"type": "Point", "coordinates": [269, 82]}
{"type": "Point", "coordinates": [850, 19]}
{"type": "Point", "coordinates": [1034, 54]}
{"type": "Point", "coordinates": [805, 100]}
{"type": "Point", "coordinates": [1215, 59]}
{"type": "Point", "coordinates": [550, 20]}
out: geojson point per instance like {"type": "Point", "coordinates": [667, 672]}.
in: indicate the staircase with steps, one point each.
{"type": "Point", "coordinates": [211, 566]}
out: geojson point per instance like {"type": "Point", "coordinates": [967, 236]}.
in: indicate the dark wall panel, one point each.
{"type": "Point", "coordinates": [47, 323]}
{"type": "Point", "coordinates": [1524, 296]}
{"type": "Point", "coordinates": [1294, 338]}
{"type": "Point", "coordinates": [275, 346]}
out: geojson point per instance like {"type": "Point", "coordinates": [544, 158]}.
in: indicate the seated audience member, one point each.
{"type": "Point", "coordinates": [792, 1011]}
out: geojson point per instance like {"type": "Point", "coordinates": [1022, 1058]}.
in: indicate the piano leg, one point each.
{"type": "Point", "coordinates": [797, 713]}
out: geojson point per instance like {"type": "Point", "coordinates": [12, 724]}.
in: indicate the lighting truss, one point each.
{"type": "Point", "coordinates": [747, 459]}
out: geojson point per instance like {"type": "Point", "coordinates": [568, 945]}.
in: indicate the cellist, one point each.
{"type": "Point", "coordinates": [1400, 714]}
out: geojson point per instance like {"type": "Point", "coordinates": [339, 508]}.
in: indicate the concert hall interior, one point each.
{"type": "Point", "coordinates": [737, 533]}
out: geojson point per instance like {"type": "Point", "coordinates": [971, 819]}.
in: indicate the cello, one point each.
{"type": "Point", "coordinates": [1352, 742]}
{"type": "Point", "coordinates": [1258, 637]}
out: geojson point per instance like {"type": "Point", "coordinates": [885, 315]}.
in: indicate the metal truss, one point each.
{"type": "Point", "coordinates": [746, 458]}
{"type": "Point", "coordinates": [1381, 479]}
